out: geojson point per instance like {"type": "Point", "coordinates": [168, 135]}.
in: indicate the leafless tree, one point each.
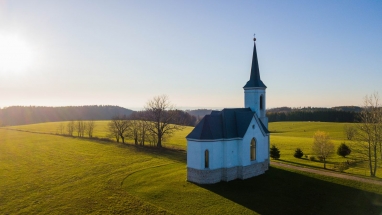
{"type": "Point", "coordinates": [143, 132]}
{"type": "Point", "coordinates": [90, 127]}
{"type": "Point", "coordinates": [118, 126]}
{"type": "Point", "coordinates": [113, 132]}
{"type": "Point", "coordinates": [350, 131]}
{"type": "Point", "coordinates": [322, 145]}
{"type": "Point", "coordinates": [61, 128]}
{"type": "Point", "coordinates": [70, 128]}
{"type": "Point", "coordinates": [138, 127]}
{"type": "Point", "coordinates": [163, 117]}
{"type": "Point", "coordinates": [80, 127]}
{"type": "Point", "coordinates": [369, 135]}
{"type": "Point", "coordinates": [133, 131]}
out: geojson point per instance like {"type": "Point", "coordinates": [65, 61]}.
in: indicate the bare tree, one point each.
{"type": "Point", "coordinates": [369, 135]}
{"type": "Point", "coordinates": [163, 117]}
{"type": "Point", "coordinates": [118, 126]}
{"type": "Point", "coordinates": [350, 131]}
{"type": "Point", "coordinates": [133, 131]}
{"type": "Point", "coordinates": [143, 132]}
{"type": "Point", "coordinates": [70, 128]}
{"type": "Point", "coordinates": [61, 128]}
{"type": "Point", "coordinates": [113, 132]}
{"type": "Point", "coordinates": [322, 145]}
{"type": "Point", "coordinates": [80, 127]}
{"type": "Point", "coordinates": [138, 127]}
{"type": "Point", "coordinates": [90, 128]}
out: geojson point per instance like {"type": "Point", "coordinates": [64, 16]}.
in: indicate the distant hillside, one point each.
{"type": "Point", "coordinates": [334, 114]}
{"type": "Point", "coordinates": [313, 109]}
{"type": "Point", "coordinates": [20, 115]}
{"type": "Point", "coordinates": [200, 113]}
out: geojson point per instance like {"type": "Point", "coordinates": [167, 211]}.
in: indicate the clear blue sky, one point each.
{"type": "Point", "coordinates": [311, 53]}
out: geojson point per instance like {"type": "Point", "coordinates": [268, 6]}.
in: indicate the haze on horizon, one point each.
{"type": "Point", "coordinates": [62, 53]}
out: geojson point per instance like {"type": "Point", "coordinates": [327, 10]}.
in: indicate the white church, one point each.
{"type": "Point", "coordinates": [232, 143]}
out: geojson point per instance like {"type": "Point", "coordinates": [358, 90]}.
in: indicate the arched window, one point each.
{"type": "Point", "coordinates": [261, 102]}
{"type": "Point", "coordinates": [206, 159]}
{"type": "Point", "coordinates": [253, 149]}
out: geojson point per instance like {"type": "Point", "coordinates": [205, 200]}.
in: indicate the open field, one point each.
{"type": "Point", "coordinates": [50, 174]}
{"type": "Point", "coordinates": [287, 136]}
{"type": "Point", "coordinates": [100, 130]}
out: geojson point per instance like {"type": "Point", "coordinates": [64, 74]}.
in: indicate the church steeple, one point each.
{"type": "Point", "coordinates": [255, 81]}
{"type": "Point", "coordinates": [254, 91]}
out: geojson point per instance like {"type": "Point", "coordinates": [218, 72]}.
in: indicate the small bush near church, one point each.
{"type": "Point", "coordinates": [274, 152]}
{"type": "Point", "coordinates": [298, 153]}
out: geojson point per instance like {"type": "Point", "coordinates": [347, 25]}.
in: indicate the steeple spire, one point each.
{"type": "Point", "coordinates": [255, 80]}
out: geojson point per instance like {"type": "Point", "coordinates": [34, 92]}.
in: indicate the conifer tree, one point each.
{"type": "Point", "coordinates": [274, 152]}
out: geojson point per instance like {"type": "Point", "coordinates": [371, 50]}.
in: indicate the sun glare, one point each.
{"type": "Point", "coordinates": [15, 54]}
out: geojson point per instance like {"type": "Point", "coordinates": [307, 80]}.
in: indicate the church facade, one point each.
{"type": "Point", "coordinates": [232, 143]}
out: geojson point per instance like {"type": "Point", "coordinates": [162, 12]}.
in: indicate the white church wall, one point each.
{"type": "Point", "coordinates": [261, 144]}
{"type": "Point", "coordinates": [252, 100]}
{"type": "Point", "coordinates": [231, 155]}
{"type": "Point", "coordinates": [195, 154]}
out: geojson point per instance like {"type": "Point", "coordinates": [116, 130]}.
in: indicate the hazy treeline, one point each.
{"type": "Point", "coordinates": [181, 117]}
{"type": "Point", "coordinates": [335, 114]}
{"type": "Point", "coordinates": [20, 115]}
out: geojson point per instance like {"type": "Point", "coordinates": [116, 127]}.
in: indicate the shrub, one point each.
{"type": "Point", "coordinates": [298, 153]}
{"type": "Point", "coordinates": [343, 150]}
{"type": "Point", "coordinates": [312, 158]}
{"type": "Point", "coordinates": [342, 166]}
{"type": "Point", "coordinates": [274, 152]}
{"type": "Point", "coordinates": [320, 158]}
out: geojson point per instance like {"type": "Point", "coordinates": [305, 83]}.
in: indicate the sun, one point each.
{"type": "Point", "coordinates": [15, 54]}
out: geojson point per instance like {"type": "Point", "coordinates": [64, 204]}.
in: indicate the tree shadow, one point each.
{"type": "Point", "coordinates": [282, 192]}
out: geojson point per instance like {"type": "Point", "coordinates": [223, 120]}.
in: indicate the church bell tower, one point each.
{"type": "Point", "coordinates": [254, 90]}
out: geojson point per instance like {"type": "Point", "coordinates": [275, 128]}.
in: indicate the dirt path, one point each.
{"type": "Point", "coordinates": [323, 172]}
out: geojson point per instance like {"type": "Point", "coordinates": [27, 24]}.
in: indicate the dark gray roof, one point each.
{"type": "Point", "coordinates": [255, 80]}
{"type": "Point", "coordinates": [225, 124]}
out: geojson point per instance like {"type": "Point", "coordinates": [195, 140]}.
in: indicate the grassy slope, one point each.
{"type": "Point", "coordinates": [100, 130]}
{"type": "Point", "coordinates": [51, 174]}
{"type": "Point", "coordinates": [48, 174]}
{"type": "Point", "coordinates": [288, 136]}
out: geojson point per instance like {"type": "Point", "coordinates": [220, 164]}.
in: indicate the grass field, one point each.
{"type": "Point", "coordinates": [50, 174]}
{"type": "Point", "coordinates": [287, 136]}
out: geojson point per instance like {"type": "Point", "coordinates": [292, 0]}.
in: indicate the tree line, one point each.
{"type": "Point", "coordinates": [322, 115]}
{"type": "Point", "coordinates": [21, 115]}
{"type": "Point", "coordinates": [79, 127]}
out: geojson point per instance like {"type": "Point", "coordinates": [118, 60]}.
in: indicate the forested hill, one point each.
{"type": "Point", "coordinates": [334, 114]}
{"type": "Point", "coordinates": [20, 115]}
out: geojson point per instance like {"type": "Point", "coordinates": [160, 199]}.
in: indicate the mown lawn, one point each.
{"type": "Point", "coordinates": [50, 174]}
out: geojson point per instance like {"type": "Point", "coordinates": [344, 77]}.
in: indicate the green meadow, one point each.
{"type": "Point", "coordinates": [43, 173]}
{"type": "Point", "coordinates": [287, 136]}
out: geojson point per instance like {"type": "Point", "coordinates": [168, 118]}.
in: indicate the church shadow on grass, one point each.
{"type": "Point", "coordinates": [282, 192]}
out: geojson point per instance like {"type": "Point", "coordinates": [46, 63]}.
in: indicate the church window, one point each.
{"type": "Point", "coordinates": [261, 102]}
{"type": "Point", "coordinates": [253, 149]}
{"type": "Point", "coordinates": [206, 159]}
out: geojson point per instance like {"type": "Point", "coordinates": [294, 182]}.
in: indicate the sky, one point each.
{"type": "Point", "coordinates": [198, 53]}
